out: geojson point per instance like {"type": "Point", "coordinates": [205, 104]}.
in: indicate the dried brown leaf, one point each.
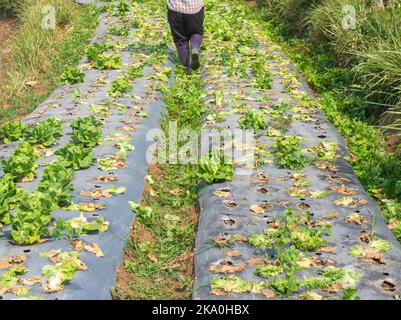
{"type": "Point", "coordinates": [31, 281]}
{"type": "Point", "coordinates": [233, 253]}
{"type": "Point", "coordinates": [225, 266]}
{"type": "Point", "coordinates": [331, 215]}
{"type": "Point", "coordinates": [269, 294]}
{"type": "Point", "coordinates": [342, 189]}
{"type": "Point", "coordinates": [388, 286]}
{"type": "Point", "coordinates": [13, 262]}
{"type": "Point", "coordinates": [96, 193]}
{"type": "Point", "coordinates": [328, 249]}
{"type": "Point", "coordinates": [262, 177]}
{"type": "Point", "coordinates": [152, 258]}
{"type": "Point", "coordinates": [356, 218]}
{"type": "Point", "coordinates": [107, 179]}
{"type": "Point", "coordinates": [365, 237]}
{"type": "Point", "coordinates": [326, 166]}
{"type": "Point", "coordinates": [256, 209]}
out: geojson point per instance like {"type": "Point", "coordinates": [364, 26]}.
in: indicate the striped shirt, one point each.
{"type": "Point", "coordinates": [185, 6]}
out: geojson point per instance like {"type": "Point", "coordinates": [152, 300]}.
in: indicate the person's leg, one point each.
{"type": "Point", "coordinates": [195, 29]}
{"type": "Point", "coordinates": [177, 26]}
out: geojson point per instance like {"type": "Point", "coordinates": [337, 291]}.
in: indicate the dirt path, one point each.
{"type": "Point", "coordinates": [6, 32]}
{"type": "Point", "coordinates": [300, 225]}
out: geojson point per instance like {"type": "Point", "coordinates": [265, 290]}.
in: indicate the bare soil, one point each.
{"type": "Point", "coordinates": [7, 29]}
{"type": "Point", "coordinates": [172, 288]}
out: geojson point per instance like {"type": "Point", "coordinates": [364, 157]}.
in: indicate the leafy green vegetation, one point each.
{"type": "Point", "coordinates": [61, 272]}
{"type": "Point", "coordinates": [381, 245]}
{"type": "Point", "coordinates": [9, 281]}
{"type": "Point", "coordinates": [268, 271]}
{"type": "Point", "coordinates": [252, 119]}
{"type": "Point", "coordinates": [143, 214]}
{"type": "Point", "coordinates": [215, 167]}
{"type": "Point", "coordinates": [288, 154]}
{"type": "Point", "coordinates": [156, 265]}
{"type": "Point", "coordinates": [163, 214]}
{"type": "Point", "coordinates": [76, 156]}
{"type": "Point", "coordinates": [293, 237]}
{"type": "Point", "coordinates": [56, 182]}
{"type": "Point", "coordinates": [236, 285]}
{"type": "Point", "coordinates": [86, 131]}
{"type": "Point", "coordinates": [12, 131]}
{"type": "Point", "coordinates": [97, 48]}
{"type": "Point", "coordinates": [263, 77]}
{"type": "Point", "coordinates": [330, 276]}
{"type": "Point", "coordinates": [8, 6]}
{"type": "Point", "coordinates": [22, 163]}
{"type": "Point", "coordinates": [31, 217]}
{"type": "Point", "coordinates": [369, 45]}
{"type": "Point", "coordinates": [349, 294]}
{"type": "Point", "coordinates": [78, 226]}
{"type": "Point", "coordinates": [8, 191]}
{"type": "Point", "coordinates": [108, 61]}
{"type": "Point", "coordinates": [46, 132]}
{"type": "Point", "coordinates": [72, 76]}
{"type": "Point", "coordinates": [119, 86]}
{"type": "Point", "coordinates": [119, 31]}
{"type": "Point", "coordinates": [280, 119]}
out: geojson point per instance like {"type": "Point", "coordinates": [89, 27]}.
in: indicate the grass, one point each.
{"type": "Point", "coordinates": [38, 57]}
{"type": "Point", "coordinates": [378, 167]}
{"type": "Point", "coordinates": [159, 267]}
{"type": "Point", "coordinates": [8, 6]}
{"type": "Point", "coordinates": [159, 255]}
{"type": "Point", "coordinates": [368, 45]}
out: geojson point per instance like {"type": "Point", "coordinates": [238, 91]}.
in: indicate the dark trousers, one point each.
{"type": "Point", "coordinates": [184, 26]}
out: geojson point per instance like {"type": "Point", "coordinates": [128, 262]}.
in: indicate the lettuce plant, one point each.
{"type": "Point", "coordinates": [255, 120]}
{"type": "Point", "coordinates": [96, 49]}
{"type": "Point", "coordinates": [75, 156]}
{"type": "Point", "coordinates": [119, 87]}
{"type": "Point", "coordinates": [288, 154]}
{"type": "Point", "coordinates": [86, 131]}
{"type": "Point", "coordinates": [213, 168]}
{"type": "Point", "coordinates": [8, 190]}
{"type": "Point", "coordinates": [12, 131]}
{"type": "Point", "coordinates": [108, 61]}
{"type": "Point", "coordinates": [31, 217]}
{"type": "Point", "coordinates": [56, 182]}
{"type": "Point", "coordinates": [46, 132]}
{"type": "Point", "coordinates": [72, 75]}
{"type": "Point", "coordinates": [63, 271]}
{"type": "Point", "coordinates": [75, 227]}
{"type": "Point", "coordinates": [22, 163]}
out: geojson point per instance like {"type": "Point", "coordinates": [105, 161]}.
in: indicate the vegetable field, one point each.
{"type": "Point", "coordinates": [83, 215]}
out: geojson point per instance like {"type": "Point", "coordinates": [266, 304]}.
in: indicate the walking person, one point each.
{"type": "Point", "coordinates": [186, 22]}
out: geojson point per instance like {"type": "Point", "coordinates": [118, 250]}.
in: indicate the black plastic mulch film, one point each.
{"type": "Point", "coordinates": [96, 281]}
{"type": "Point", "coordinates": [222, 221]}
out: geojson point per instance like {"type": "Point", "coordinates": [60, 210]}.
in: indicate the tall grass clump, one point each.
{"type": "Point", "coordinates": [369, 46]}
{"type": "Point", "coordinates": [8, 7]}
{"type": "Point", "coordinates": [34, 52]}
{"type": "Point", "coordinates": [292, 12]}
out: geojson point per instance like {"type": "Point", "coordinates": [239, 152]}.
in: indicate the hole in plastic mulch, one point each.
{"type": "Point", "coordinates": [230, 204]}
{"type": "Point", "coordinates": [229, 221]}
{"type": "Point", "coordinates": [261, 190]}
